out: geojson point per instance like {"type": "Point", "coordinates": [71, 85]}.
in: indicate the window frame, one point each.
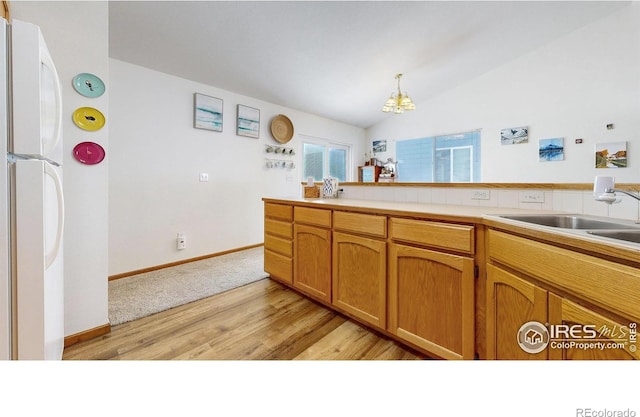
{"type": "Point", "coordinates": [438, 143]}
{"type": "Point", "coordinates": [452, 163]}
{"type": "Point", "coordinates": [327, 144]}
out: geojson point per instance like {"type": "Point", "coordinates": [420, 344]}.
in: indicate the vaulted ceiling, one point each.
{"type": "Point", "coordinates": [338, 59]}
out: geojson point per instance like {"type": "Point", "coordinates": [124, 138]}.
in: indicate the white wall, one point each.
{"type": "Point", "coordinates": [572, 88]}
{"type": "Point", "coordinates": [124, 214]}
{"type": "Point", "coordinates": [77, 35]}
{"type": "Point", "coordinates": [156, 157]}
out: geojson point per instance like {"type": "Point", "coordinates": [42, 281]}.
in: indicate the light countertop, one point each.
{"type": "Point", "coordinates": [391, 207]}
{"type": "Point", "coordinates": [488, 216]}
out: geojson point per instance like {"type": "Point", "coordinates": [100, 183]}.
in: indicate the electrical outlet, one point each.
{"type": "Point", "coordinates": [181, 241]}
{"type": "Point", "coordinates": [204, 177]}
{"type": "Point", "coordinates": [532, 197]}
{"type": "Point", "coordinates": [481, 195]}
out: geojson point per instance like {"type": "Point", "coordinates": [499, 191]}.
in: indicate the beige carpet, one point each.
{"type": "Point", "coordinates": [151, 292]}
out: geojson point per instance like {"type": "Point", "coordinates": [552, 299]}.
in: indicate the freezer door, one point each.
{"type": "Point", "coordinates": [37, 97]}
{"type": "Point", "coordinates": [39, 224]}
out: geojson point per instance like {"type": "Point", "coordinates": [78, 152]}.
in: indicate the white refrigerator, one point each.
{"type": "Point", "coordinates": [31, 202]}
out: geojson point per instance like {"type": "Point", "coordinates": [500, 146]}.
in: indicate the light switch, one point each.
{"type": "Point", "coordinates": [481, 195]}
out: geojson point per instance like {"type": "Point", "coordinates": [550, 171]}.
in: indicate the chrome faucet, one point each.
{"type": "Point", "coordinates": [617, 190]}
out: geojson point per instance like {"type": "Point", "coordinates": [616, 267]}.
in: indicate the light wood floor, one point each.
{"type": "Point", "coordinates": [262, 321]}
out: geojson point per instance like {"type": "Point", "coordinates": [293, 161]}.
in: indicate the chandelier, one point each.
{"type": "Point", "coordinates": [399, 102]}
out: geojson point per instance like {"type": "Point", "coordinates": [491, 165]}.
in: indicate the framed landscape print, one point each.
{"type": "Point", "coordinates": [207, 112]}
{"type": "Point", "coordinates": [248, 122]}
{"type": "Point", "coordinates": [551, 149]}
{"type": "Point", "coordinates": [611, 155]}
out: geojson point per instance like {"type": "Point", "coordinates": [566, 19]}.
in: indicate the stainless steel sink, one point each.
{"type": "Point", "coordinates": [568, 221]}
{"type": "Point", "coordinates": [627, 235]}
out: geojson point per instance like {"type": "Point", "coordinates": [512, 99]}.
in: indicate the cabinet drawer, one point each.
{"type": "Point", "coordinates": [278, 228]}
{"type": "Point", "coordinates": [278, 211]}
{"type": "Point", "coordinates": [440, 235]}
{"type": "Point", "coordinates": [278, 266]}
{"type": "Point", "coordinates": [604, 283]}
{"type": "Point", "coordinates": [276, 244]}
{"type": "Point", "coordinates": [316, 217]}
{"type": "Point", "coordinates": [366, 224]}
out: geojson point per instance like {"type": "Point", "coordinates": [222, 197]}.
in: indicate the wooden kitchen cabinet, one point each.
{"type": "Point", "coordinates": [278, 242]}
{"type": "Point", "coordinates": [431, 300]}
{"type": "Point", "coordinates": [312, 248]}
{"type": "Point", "coordinates": [360, 266]}
{"type": "Point", "coordinates": [613, 333]}
{"type": "Point", "coordinates": [511, 302]}
{"type": "Point", "coordinates": [431, 286]}
{"type": "Point", "coordinates": [613, 286]}
{"type": "Point", "coordinates": [453, 287]}
{"type": "Point", "coordinates": [553, 286]}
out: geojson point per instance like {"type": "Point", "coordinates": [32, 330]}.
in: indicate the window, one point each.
{"type": "Point", "coordinates": [322, 158]}
{"type": "Point", "coordinates": [447, 158]}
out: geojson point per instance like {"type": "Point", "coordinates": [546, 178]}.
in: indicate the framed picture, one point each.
{"type": "Point", "coordinates": [207, 112]}
{"type": "Point", "coordinates": [514, 135]}
{"type": "Point", "coordinates": [248, 122]}
{"type": "Point", "coordinates": [379, 146]}
{"type": "Point", "coordinates": [551, 150]}
{"type": "Point", "coordinates": [611, 155]}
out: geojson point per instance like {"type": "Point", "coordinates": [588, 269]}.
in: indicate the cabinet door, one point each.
{"type": "Point", "coordinates": [278, 267]}
{"type": "Point", "coordinates": [312, 266]}
{"type": "Point", "coordinates": [431, 300]}
{"type": "Point", "coordinates": [611, 339]}
{"type": "Point", "coordinates": [360, 277]}
{"type": "Point", "coordinates": [511, 302]}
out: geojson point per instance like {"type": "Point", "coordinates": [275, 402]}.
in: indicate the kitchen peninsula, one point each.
{"type": "Point", "coordinates": [454, 282]}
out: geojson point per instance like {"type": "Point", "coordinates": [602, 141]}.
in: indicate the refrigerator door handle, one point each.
{"type": "Point", "coordinates": [53, 253]}
{"type": "Point", "coordinates": [47, 62]}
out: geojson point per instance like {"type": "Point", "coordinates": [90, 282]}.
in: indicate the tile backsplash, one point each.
{"type": "Point", "coordinates": [573, 201]}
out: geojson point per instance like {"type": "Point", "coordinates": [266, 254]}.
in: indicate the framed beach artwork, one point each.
{"type": "Point", "coordinates": [514, 135]}
{"type": "Point", "coordinates": [207, 112]}
{"type": "Point", "coordinates": [611, 155]}
{"type": "Point", "coordinates": [248, 122]}
{"type": "Point", "coordinates": [551, 150]}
